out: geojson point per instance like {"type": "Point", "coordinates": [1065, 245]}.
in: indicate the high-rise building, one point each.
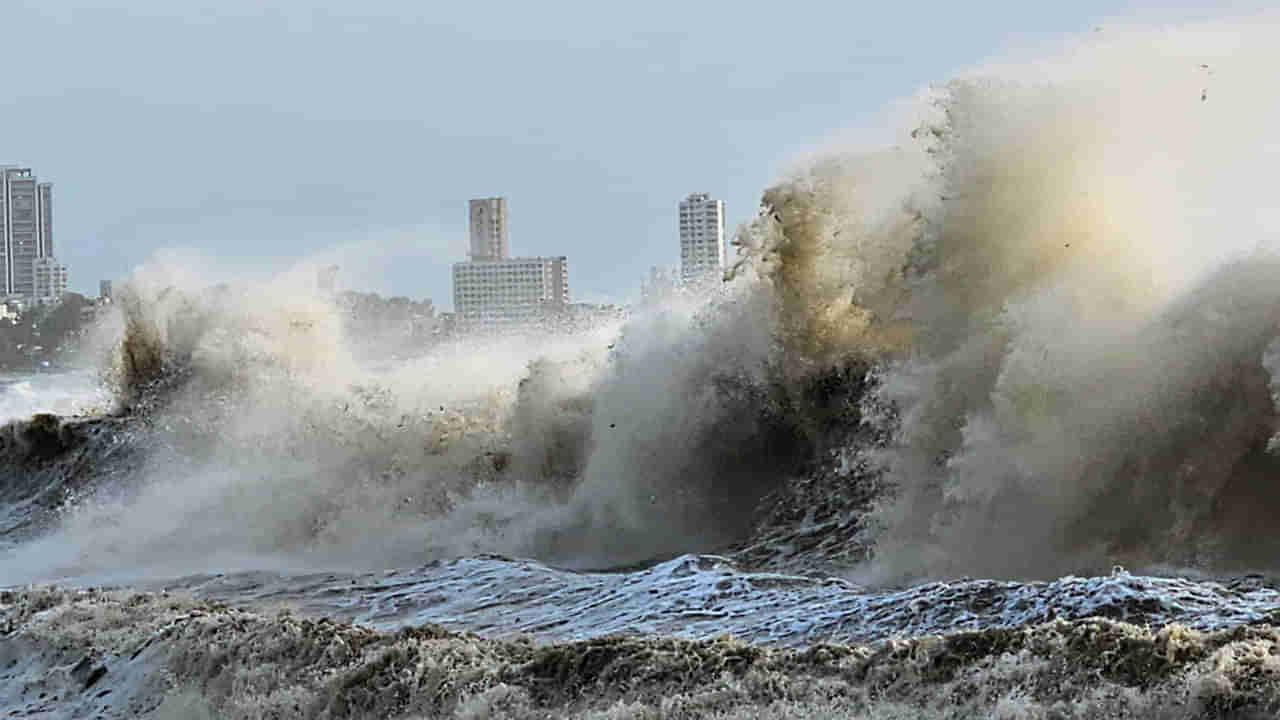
{"type": "Point", "coordinates": [487, 218]}
{"type": "Point", "coordinates": [513, 291]}
{"type": "Point", "coordinates": [26, 222]}
{"type": "Point", "coordinates": [702, 242]}
{"type": "Point", "coordinates": [495, 290]}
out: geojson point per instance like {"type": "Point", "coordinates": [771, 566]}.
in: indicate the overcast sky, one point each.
{"type": "Point", "coordinates": [264, 132]}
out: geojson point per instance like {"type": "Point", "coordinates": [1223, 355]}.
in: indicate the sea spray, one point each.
{"type": "Point", "coordinates": [1042, 317]}
{"type": "Point", "coordinates": [1089, 289]}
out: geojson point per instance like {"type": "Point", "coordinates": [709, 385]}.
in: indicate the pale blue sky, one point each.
{"type": "Point", "coordinates": [262, 132]}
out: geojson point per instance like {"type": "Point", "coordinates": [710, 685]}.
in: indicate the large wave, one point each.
{"type": "Point", "coordinates": [276, 447]}
{"type": "Point", "coordinates": [1082, 320]}
{"type": "Point", "coordinates": [1066, 282]}
{"type": "Point", "coordinates": [1044, 323]}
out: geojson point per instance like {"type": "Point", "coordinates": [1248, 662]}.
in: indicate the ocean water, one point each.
{"type": "Point", "coordinates": [980, 424]}
{"type": "Point", "coordinates": [60, 392]}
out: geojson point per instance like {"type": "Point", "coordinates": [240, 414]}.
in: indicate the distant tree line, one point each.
{"type": "Point", "coordinates": [43, 335]}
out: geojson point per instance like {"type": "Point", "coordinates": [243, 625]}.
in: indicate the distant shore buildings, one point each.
{"type": "Point", "coordinates": [50, 280]}
{"type": "Point", "coordinates": [702, 242]}
{"type": "Point", "coordinates": [703, 251]}
{"type": "Point", "coordinates": [493, 290]}
{"type": "Point", "coordinates": [29, 272]}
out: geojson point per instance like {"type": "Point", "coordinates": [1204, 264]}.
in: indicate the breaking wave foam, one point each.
{"type": "Point", "coordinates": [1057, 302]}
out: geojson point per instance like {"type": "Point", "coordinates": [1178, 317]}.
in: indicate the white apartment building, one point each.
{"type": "Point", "coordinates": [494, 290]}
{"type": "Point", "coordinates": [702, 241]}
{"type": "Point", "coordinates": [512, 291]}
{"type": "Point", "coordinates": [50, 281]}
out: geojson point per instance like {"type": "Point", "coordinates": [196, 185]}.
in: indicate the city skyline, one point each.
{"type": "Point", "coordinates": [285, 149]}
{"type": "Point", "coordinates": [491, 289]}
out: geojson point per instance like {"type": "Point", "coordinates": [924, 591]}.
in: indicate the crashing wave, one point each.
{"type": "Point", "coordinates": [1049, 315]}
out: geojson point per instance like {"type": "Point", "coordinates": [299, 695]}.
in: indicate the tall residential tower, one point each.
{"type": "Point", "coordinates": [702, 242]}
{"type": "Point", "coordinates": [488, 220]}
{"type": "Point", "coordinates": [27, 267]}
